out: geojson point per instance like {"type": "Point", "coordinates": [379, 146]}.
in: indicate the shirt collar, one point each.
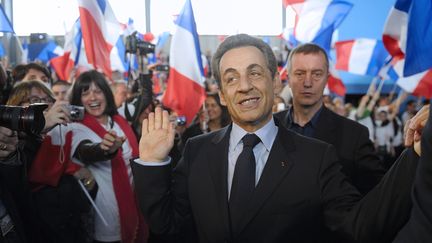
{"type": "Point", "coordinates": [267, 134]}
{"type": "Point", "coordinates": [313, 122]}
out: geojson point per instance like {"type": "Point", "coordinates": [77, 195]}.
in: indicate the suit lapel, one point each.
{"type": "Point", "coordinates": [277, 167]}
{"type": "Point", "coordinates": [218, 165]}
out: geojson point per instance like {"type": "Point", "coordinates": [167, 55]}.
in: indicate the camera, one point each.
{"type": "Point", "coordinates": [180, 121]}
{"type": "Point", "coordinates": [134, 44]}
{"type": "Point", "coordinates": [162, 68]}
{"type": "Point", "coordinates": [76, 112]}
{"type": "Point", "coordinates": [29, 119]}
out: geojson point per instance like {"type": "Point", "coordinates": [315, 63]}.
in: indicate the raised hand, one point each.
{"type": "Point", "coordinates": [157, 136]}
{"type": "Point", "coordinates": [111, 142]}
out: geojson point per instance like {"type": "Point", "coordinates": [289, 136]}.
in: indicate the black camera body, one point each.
{"type": "Point", "coordinates": [134, 44]}
{"type": "Point", "coordinates": [29, 119]}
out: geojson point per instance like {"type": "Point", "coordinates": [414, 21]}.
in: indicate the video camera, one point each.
{"type": "Point", "coordinates": [134, 44]}
{"type": "Point", "coordinates": [29, 119]}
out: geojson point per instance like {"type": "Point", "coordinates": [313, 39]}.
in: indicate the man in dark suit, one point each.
{"type": "Point", "coordinates": [308, 74]}
{"type": "Point", "coordinates": [298, 189]}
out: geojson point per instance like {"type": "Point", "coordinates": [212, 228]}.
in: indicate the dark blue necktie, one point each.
{"type": "Point", "coordinates": [243, 183]}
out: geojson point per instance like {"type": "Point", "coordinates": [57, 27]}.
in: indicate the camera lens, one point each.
{"type": "Point", "coordinates": [28, 119]}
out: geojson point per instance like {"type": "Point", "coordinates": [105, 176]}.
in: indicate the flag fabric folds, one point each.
{"type": "Point", "coordinates": [361, 56]}
{"type": "Point", "coordinates": [334, 83]}
{"type": "Point", "coordinates": [185, 90]}
{"type": "Point", "coordinates": [63, 65]}
{"type": "Point", "coordinates": [5, 24]}
{"type": "Point", "coordinates": [408, 34]}
{"type": "Point", "coordinates": [100, 31]}
{"type": "Point", "coordinates": [316, 20]}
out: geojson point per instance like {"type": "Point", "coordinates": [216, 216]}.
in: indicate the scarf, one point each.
{"type": "Point", "coordinates": [133, 227]}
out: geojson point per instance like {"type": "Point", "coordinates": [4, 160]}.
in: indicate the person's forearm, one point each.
{"type": "Point", "coordinates": [88, 152]}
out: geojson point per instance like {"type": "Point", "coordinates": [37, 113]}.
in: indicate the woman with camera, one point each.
{"type": "Point", "coordinates": [57, 199]}
{"type": "Point", "coordinates": [104, 142]}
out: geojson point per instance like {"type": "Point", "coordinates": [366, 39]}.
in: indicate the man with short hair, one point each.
{"type": "Point", "coordinates": [308, 72]}
{"type": "Point", "coordinates": [255, 181]}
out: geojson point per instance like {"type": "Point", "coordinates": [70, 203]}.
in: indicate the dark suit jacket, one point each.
{"type": "Point", "coordinates": [419, 227]}
{"type": "Point", "coordinates": [301, 191]}
{"type": "Point", "coordinates": [353, 146]}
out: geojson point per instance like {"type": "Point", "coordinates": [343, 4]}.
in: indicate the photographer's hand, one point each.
{"type": "Point", "coordinates": [111, 142]}
{"type": "Point", "coordinates": [8, 142]}
{"type": "Point", "coordinates": [57, 114]}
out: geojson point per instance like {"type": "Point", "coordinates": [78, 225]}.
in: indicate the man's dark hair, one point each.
{"type": "Point", "coordinates": [83, 82]}
{"type": "Point", "coordinates": [20, 71]}
{"type": "Point", "coordinates": [243, 40]}
{"type": "Point", "coordinates": [307, 48]}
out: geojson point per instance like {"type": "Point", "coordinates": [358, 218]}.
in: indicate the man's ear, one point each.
{"type": "Point", "coordinates": [222, 98]}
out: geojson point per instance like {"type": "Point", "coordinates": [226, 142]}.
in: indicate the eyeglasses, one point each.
{"type": "Point", "coordinates": [36, 99]}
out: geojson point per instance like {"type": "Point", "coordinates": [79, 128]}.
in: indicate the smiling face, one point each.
{"type": "Point", "coordinates": [247, 88]}
{"type": "Point", "coordinates": [213, 108]}
{"type": "Point", "coordinates": [308, 76]}
{"type": "Point", "coordinates": [94, 102]}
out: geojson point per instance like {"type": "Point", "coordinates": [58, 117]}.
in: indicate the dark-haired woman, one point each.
{"type": "Point", "coordinates": [104, 142]}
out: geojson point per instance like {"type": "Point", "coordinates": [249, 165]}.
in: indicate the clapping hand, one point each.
{"type": "Point", "coordinates": [157, 136]}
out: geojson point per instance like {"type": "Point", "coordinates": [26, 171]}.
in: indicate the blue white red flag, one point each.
{"type": "Point", "coordinates": [408, 34]}
{"type": "Point", "coordinates": [419, 84]}
{"type": "Point", "coordinates": [185, 89]}
{"type": "Point", "coordinates": [316, 20]}
{"type": "Point", "coordinates": [51, 50]}
{"type": "Point", "coordinates": [73, 55]}
{"type": "Point", "coordinates": [361, 56]}
{"type": "Point", "coordinates": [100, 31]}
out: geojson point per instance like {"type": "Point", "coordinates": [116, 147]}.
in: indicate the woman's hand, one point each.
{"type": "Point", "coordinates": [111, 142]}
{"type": "Point", "coordinates": [57, 114]}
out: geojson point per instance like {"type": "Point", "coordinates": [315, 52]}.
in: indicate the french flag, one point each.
{"type": "Point", "coordinates": [185, 89]}
{"type": "Point", "coordinates": [361, 56]}
{"type": "Point", "coordinates": [316, 20]}
{"type": "Point", "coordinates": [419, 84]}
{"type": "Point", "coordinates": [408, 34]}
{"type": "Point", "coordinates": [63, 65]}
{"type": "Point", "coordinates": [100, 31]}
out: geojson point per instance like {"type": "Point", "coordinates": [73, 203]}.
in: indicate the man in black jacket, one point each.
{"type": "Point", "coordinates": [308, 74]}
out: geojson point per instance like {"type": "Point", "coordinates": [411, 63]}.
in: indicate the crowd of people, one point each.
{"type": "Point", "coordinates": [108, 167]}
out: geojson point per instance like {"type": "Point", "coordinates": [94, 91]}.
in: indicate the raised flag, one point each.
{"type": "Point", "coordinates": [418, 84]}
{"type": "Point", "coordinates": [100, 31]}
{"type": "Point", "coordinates": [72, 56]}
{"type": "Point", "coordinates": [185, 89]}
{"type": "Point", "coordinates": [361, 56]}
{"type": "Point", "coordinates": [316, 20]}
{"type": "Point", "coordinates": [5, 24]}
{"type": "Point", "coordinates": [408, 34]}
{"type": "Point", "coordinates": [51, 50]}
